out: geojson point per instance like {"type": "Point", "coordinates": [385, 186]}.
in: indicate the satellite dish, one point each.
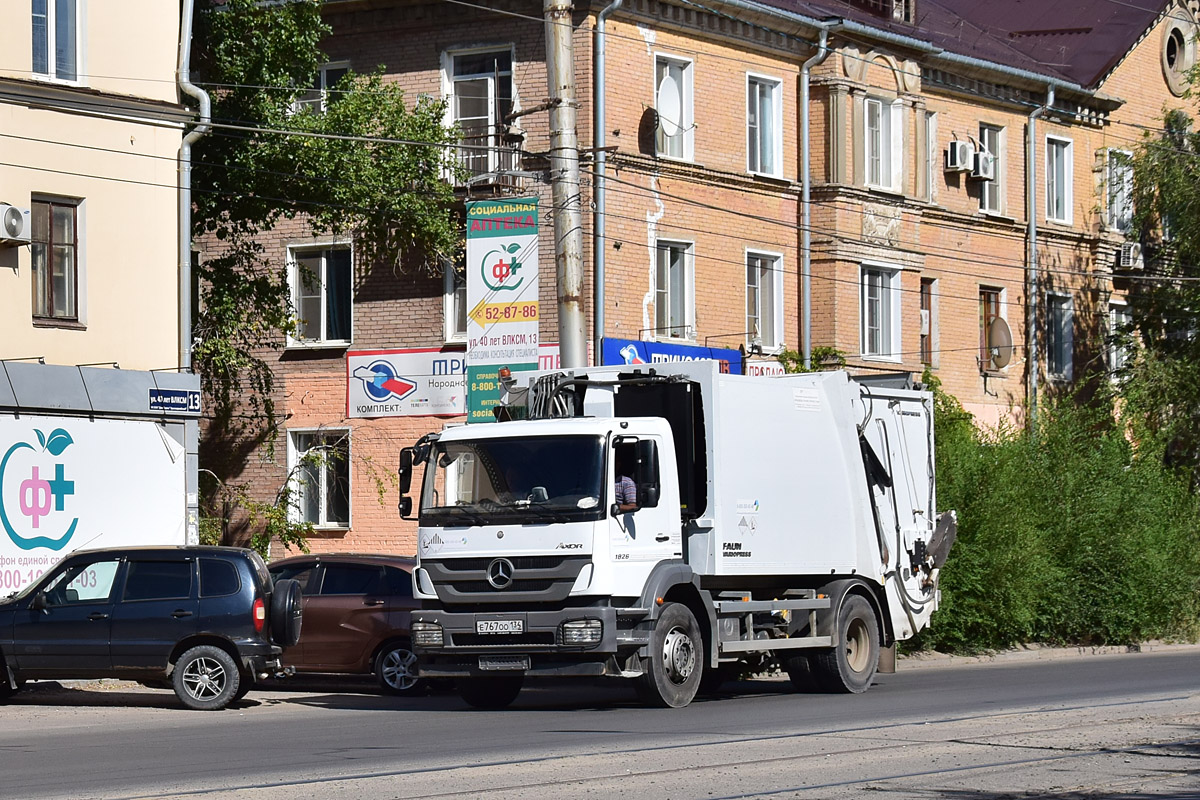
{"type": "Point", "coordinates": [670, 106]}
{"type": "Point", "coordinates": [999, 343]}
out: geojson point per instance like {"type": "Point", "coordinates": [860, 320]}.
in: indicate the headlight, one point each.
{"type": "Point", "coordinates": [426, 634]}
{"type": "Point", "coordinates": [580, 632]}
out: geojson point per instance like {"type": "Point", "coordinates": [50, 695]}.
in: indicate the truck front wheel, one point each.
{"type": "Point", "coordinates": [851, 665]}
{"type": "Point", "coordinates": [673, 671]}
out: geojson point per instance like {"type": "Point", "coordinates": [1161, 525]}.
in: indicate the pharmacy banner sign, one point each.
{"type": "Point", "coordinates": [502, 297]}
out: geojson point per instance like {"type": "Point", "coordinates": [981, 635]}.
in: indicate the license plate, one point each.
{"type": "Point", "coordinates": [499, 626]}
{"type": "Point", "coordinates": [490, 663]}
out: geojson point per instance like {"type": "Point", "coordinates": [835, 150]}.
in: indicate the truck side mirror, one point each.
{"type": "Point", "coordinates": [647, 473]}
{"type": "Point", "coordinates": [405, 507]}
{"type": "Point", "coordinates": [405, 471]}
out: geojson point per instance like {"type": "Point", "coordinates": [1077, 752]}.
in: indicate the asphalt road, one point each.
{"type": "Point", "coordinates": [1119, 727]}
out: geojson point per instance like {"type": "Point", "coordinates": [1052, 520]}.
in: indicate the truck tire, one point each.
{"type": "Point", "coordinates": [206, 678]}
{"type": "Point", "coordinates": [799, 671]}
{"type": "Point", "coordinates": [675, 666]}
{"type": "Point", "coordinates": [492, 692]}
{"type": "Point", "coordinates": [851, 665]}
{"type": "Point", "coordinates": [287, 612]}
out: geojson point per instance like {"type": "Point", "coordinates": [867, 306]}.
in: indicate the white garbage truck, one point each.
{"type": "Point", "coordinates": [675, 525]}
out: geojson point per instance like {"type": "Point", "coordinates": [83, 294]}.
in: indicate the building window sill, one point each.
{"type": "Point", "coordinates": [65, 324]}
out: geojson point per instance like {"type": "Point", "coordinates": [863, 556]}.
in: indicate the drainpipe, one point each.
{"type": "Point", "coordinates": [1031, 259]}
{"type": "Point", "coordinates": [599, 136]}
{"type": "Point", "coordinates": [185, 184]}
{"type": "Point", "coordinates": [805, 204]}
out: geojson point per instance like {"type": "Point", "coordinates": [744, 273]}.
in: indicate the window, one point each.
{"type": "Point", "coordinates": [399, 582]}
{"type": "Point", "coordinates": [989, 311]}
{"type": "Point", "coordinates": [321, 294]}
{"type": "Point", "coordinates": [882, 149]}
{"type": "Point", "coordinates": [321, 94]}
{"type": "Point", "coordinates": [320, 462]}
{"type": "Point", "coordinates": [454, 301]}
{"type": "Point", "coordinates": [880, 313]}
{"type": "Point", "coordinates": [1119, 321]}
{"type": "Point", "coordinates": [764, 300]}
{"type": "Point", "coordinates": [481, 96]}
{"type": "Point", "coordinates": [218, 578]}
{"type": "Point", "coordinates": [1119, 181]}
{"type": "Point", "coordinates": [1060, 336]}
{"type": "Point", "coordinates": [991, 196]}
{"type": "Point", "coordinates": [673, 101]}
{"type": "Point", "coordinates": [54, 252]}
{"type": "Point", "coordinates": [673, 291]}
{"type": "Point", "coordinates": [353, 579]}
{"type": "Point", "coordinates": [928, 322]}
{"type": "Point", "coordinates": [91, 582]}
{"type": "Point", "coordinates": [300, 573]}
{"type": "Point", "coordinates": [55, 39]}
{"type": "Point", "coordinates": [1059, 174]}
{"type": "Point", "coordinates": [158, 580]}
{"type": "Point", "coordinates": [764, 124]}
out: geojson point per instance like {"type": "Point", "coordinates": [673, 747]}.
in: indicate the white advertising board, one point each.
{"type": "Point", "coordinates": [69, 483]}
{"type": "Point", "coordinates": [416, 382]}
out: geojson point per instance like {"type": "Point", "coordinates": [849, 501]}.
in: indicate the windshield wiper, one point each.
{"type": "Point", "coordinates": [553, 514]}
{"type": "Point", "coordinates": [474, 518]}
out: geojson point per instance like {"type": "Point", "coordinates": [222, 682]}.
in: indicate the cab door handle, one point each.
{"type": "Point", "coordinates": [662, 537]}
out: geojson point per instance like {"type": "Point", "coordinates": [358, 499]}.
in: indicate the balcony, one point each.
{"type": "Point", "coordinates": [491, 156]}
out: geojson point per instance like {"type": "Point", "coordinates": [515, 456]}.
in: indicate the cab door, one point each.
{"type": "Point", "coordinates": [650, 533]}
{"type": "Point", "coordinates": [65, 626]}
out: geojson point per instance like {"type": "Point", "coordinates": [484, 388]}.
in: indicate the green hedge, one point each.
{"type": "Point", "coordinates": [1065, 537]}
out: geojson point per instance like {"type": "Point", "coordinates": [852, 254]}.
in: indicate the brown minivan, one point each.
{"type": "Point", "coordinates": [356, 612]}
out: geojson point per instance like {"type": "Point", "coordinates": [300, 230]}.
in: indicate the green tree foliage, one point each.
{"type": "Point", "coordinates": [1162, 384]}
{"type": "Point", "coordinates": [1066, 536]}
{"type": "Point", "coordinates": [366, 164]}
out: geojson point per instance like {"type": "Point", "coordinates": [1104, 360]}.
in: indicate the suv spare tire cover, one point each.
{"type": "Point", "coordinates": [287, 610]}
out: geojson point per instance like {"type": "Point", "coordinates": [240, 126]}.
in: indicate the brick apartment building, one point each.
{"type": "Point", "coordinates": [914, 253]}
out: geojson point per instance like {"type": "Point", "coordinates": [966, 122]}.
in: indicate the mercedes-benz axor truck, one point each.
{"type": "Point", "coordinates": [787, 519]}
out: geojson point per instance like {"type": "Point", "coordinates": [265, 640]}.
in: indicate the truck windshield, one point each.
{"type": "Point", "coordinates": [532, 479]}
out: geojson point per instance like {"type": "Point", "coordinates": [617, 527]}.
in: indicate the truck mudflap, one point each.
{"type": "Point", "coordinates": [571, 641]}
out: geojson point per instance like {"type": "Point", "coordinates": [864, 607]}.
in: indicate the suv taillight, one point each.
{"type": "Point", "coordinates": [260, 615]}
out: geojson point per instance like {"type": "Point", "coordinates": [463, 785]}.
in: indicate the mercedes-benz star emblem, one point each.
{"type": "Point", "coordinates": [500, 573]}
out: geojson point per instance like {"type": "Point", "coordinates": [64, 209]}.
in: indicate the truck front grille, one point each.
{"type": "Point", "coordinates": [535, 579]}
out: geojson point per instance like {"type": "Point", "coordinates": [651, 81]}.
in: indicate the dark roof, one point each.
{"type": "Point", "coordinates": [1078, 41]}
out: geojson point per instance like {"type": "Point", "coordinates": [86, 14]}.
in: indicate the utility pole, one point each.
{"type": "Point", "coordinates": [564, 182]}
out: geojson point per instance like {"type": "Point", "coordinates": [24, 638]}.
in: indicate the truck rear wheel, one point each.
{"type": "Point", "coordinates": [850, 666]}
{"type": "Point", "coordinates": [675, 666]}
{"type": "Point", "coordinates": [492, 692]}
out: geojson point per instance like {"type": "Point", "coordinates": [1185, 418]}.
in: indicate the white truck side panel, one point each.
{"type": "Point", "coordinates": [68, 483]}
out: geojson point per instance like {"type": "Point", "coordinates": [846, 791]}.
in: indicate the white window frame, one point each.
{"type": "Point", "coordinates": [1118, 316]}
{"type": "Point", "coordinates": [773, 127]}
{"type": "Point", "coordinates": [294, 455]}
{"type": "Point", "coordinates": [294, 285]}
{"type": "Point", "coordinates": [1064, 371]}
{"type": "Point", "coordinates": [316, 97]}
{"type": "Point", "coordinates": [452, 296]}
{"type": "Point", "coordinates": [932, 156]}
{"type": "Point", "coordinates": [889, 299]}
{"type": "Point", "coordinates": [1053, 144]}
{"type": "Point", "coordinates": [685, 330]}
{"type": "Point", "coordinates": [1001, 313]}
{"type": "Point", "coordinates": [1118, 189]}
{"type": "Point", "coordinates": [51, 73]}
{"type": "Point", "coordinates": [991, 193]}
{"type": "Point", "coordinates": [775, 278]}
{"type": "Point", "coordinates": [890, 144]}
{"type": "Point", "coordinates": [449, 80]}
{"type": "Point", "coordinates": [934, 290]}
{"type": "Point", "coordinates": [687, 112]}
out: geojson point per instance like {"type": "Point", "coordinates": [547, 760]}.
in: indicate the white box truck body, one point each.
{"type": "Point", "coordinates": [789, 516]}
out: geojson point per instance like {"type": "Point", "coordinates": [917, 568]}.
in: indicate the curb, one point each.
{"type": "Point", "coordinates": [1033, 652]}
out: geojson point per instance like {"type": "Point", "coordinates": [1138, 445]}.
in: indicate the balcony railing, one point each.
{"type": "Point", "coordinates": [491, 157]}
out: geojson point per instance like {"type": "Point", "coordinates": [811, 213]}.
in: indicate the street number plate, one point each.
{"type": "Point", "coordinates": [499, 626]}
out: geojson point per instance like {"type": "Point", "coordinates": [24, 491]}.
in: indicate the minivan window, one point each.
{"type": "Point", "coordinates": [218, 578]}
{"type": "Point", "coordinates": [300, 573]}
{"type": "Point", "coordinates": [352, 579]}
{"type": "Point", "coordinates": [158, 580]}
{"type": "Point", "coordinates": [399, 582]}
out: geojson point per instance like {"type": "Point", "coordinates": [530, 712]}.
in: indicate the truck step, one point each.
{"type": "Point", "coordinates": [793, 643]}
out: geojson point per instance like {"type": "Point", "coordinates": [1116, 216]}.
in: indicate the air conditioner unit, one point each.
{"type": "Point", "coordinates": [984, 168]}
{"type": "Point", "coordinates": [15, 227]}
{"type": "Point", "coordinates": [1130, 256]}
{"type": "Point", "coordinates": [924, 322]}
{"type": "Point", "coordinates": [960, 156]}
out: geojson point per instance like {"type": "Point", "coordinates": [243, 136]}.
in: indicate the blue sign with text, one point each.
{"type": "Point", "coordinates": [630, 351]}
{"type": "Point", "coordinates": [178, 401]}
